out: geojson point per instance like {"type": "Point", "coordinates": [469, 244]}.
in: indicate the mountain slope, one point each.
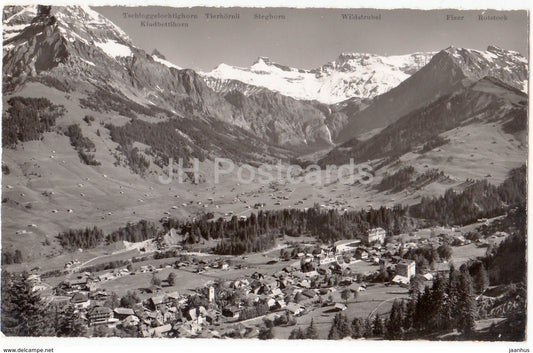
{"type": "Point", "coordinates": [74, 49]}
{"type": "Point", "coordinates": [447, 71]}
{"type": "Point", "coordinates": [487, 101]}
{"type": "Point", "coordinates": [91, 64]}
{"type": "Point", "coordinates": [350, 75]}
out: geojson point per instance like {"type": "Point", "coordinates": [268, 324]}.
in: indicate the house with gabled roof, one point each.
{"type": "Point", "coordinates": [122, 313]}
{"type": "Point", "coordinates": [294, 308]}
{"type": "Point", "coordinates": [156, 302]}
{"type": "Point", "coordinates": [131, 320]}
{"type": "Point", "coordinates": [276, 292]}
{"type": "Point", "coordinates": [99, 315]}
{"type": "Point", "coordinates": [161, 301]}
{"type": "Point", "coordinates": [80, 301]}
{"type": "Point", "coordinates": [339, 307]}
{"type": "Point", "coordinates": [79, 283]}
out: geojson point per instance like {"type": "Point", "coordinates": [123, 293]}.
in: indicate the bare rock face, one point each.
{"type": "Point", "coordinates": [284, 120]}
{"type": "Point", "coordinates": [78, 45]}
{"type": "Point", "coordinates": [37, 48]}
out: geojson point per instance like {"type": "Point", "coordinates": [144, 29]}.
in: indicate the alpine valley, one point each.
{"type": "Point", "coordinates": [90, 123]}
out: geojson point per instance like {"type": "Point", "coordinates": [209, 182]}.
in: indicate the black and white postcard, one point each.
{"type": "Point", "coordinates": [264, 173]}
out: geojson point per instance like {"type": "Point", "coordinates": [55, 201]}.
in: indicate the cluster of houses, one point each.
{"type": "Point", "coordinates": [288, 291]}
{"type": "Point", "coordinates": [154, 316]}
{"type": "Point", "coordinates": [173, 314]}
{"type": "Point", "coordinates": [371, 249]}
{"type": "Point", "coordinates": [37, 284]}
{"type": "Point", "coordinates": [207, 311]}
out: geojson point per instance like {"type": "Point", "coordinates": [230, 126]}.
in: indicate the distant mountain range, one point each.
{"type": "Point", "coordinates": [350, 75]}
{"type": "Point", "coordinates": [76, 49]}
{"type": "Point", "coordinates": [449, 70]}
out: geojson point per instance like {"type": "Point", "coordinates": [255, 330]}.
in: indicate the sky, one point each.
{"type": "Point", "coordinates": [309, 38]}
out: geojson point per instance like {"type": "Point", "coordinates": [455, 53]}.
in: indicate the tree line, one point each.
{"type": "Point", "coordinates": [104, 101]}
{"type": "Point", "coordinates": [9, 257]}
{"type": "Point", "coordinates": [186, 139]}
{"type": "Point", "coordinates": [24, 313]}
{"type": "Point", "coordinates": [259, 231]}
{"type": "Point", "coordinates": [408, 177]}
{"type": "Point", "coordinates": [86, 238]}
{"type": "Point", "coordinates": [507, 263]}
{"type": "Point", "coordinates": [451, 303]}
{"type": "Point", "coordinates": [397, 181]}
{"type": "Point", "coordinates": [92, 237]}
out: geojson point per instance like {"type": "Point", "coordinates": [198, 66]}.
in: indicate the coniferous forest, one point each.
{"type": "Point", "coordinates": [27, 119]}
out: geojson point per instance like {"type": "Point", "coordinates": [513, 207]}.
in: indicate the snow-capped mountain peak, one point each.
{"type": "Point", "coordinates": [73, 23]}
{"type": "Point", "coordinates": [506, 65]}
{"type": "Point", "coordinates": [351, 75]}
{"type": "Point", "coordinates": [38, 38]}
{"type": "Point", "coordinates": [82, 23]}
{"type": "Point", "coordinates": [262, 60]}
{"type": "Point", "coordinates": [492, 54]}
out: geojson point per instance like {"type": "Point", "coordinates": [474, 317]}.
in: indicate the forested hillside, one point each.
{"type": "Point", "coordinates": [478, 200]}
{"type": "Point", "coordinates": [27, 119]}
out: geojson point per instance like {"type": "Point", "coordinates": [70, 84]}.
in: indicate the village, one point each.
{"type": "Point", "coordinates": [170, 292]}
